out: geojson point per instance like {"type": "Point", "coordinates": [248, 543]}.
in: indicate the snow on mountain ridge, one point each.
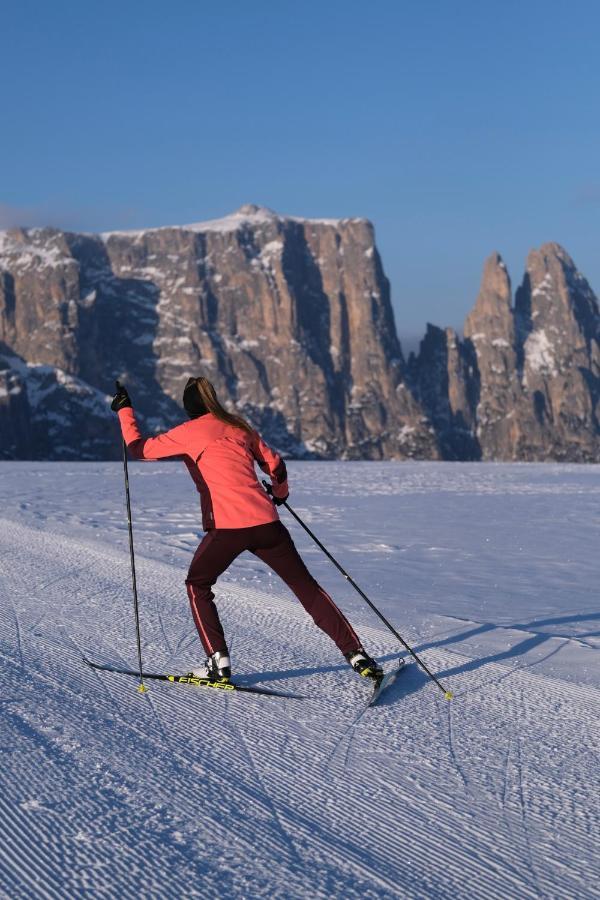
{"type": "Point", "coordinates": [247, 215]}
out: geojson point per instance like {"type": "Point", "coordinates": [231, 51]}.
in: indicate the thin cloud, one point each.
{"type": "Point", "coordinates": [21, 216]}
{"type": "Point", "coordinates": [66, 219]}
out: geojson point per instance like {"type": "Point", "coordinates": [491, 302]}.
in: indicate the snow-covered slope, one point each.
{"type": "Point", "coordinates": [489, 571]}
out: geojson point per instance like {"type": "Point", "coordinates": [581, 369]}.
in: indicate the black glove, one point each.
{"type": "Point", "coordinates": [278, 501]}
{"type": "Point", "coordinates": [121, 399]}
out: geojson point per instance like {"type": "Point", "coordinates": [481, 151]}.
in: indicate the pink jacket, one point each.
{"type": "Point", "coordinates": [220, 458]}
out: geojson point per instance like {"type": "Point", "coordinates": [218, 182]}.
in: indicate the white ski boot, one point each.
{"type": "Point", "coordinates": [217, 667]}
{"type": "Point", "coordinates": [364, 664]}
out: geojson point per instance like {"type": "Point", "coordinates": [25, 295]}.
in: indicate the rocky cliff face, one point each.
{"type": "Point", "coordinates": [490, 338]}
{"type": "Point", "coordinates": [529, 379]}
{"type": "Point", "coordinates": [441, 378]}
{"type": "Point", "coordinates": [558, 358]}
{"type": "Point", "coordinates": [291, 320]}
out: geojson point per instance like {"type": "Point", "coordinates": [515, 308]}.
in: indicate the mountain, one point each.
{"type": "Point", "coordinates": [292, 321]}
{"type": "Point", "coordinates": [290, 318]}
{"type": "Point", "coordinates": [524, 383]}
{"type": "Point", "coordinates": [558, 360]}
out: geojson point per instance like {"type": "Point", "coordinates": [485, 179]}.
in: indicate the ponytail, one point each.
{"type": "Point", "coordinates": [208, 398]}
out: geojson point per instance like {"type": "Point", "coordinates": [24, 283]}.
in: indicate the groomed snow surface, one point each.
{"type": "Point", "coordinates": [491, 572]}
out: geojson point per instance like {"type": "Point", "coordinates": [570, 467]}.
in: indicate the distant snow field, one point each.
{"type": "Point", "coordinates": [491, 572]}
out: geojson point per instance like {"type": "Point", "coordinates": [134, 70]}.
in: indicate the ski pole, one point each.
{"type": "Point", "coordinates": [447, 694]}
{"type": "Point", "coordinates": [142, 687]}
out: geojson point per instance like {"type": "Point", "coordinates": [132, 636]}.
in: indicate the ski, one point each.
{"type": "Point", "coordinates": [194, 681]}
{"type": "Point", "coordinates": [383, 683]}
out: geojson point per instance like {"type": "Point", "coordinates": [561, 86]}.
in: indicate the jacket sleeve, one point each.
{"type": "Point", "coordinates": [160, 447]}
{"type": "Point", "coordinates": [272, 464]}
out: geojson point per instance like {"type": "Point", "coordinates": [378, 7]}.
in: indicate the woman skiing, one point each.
{"type": "Point", "coordinates": [220, 451]}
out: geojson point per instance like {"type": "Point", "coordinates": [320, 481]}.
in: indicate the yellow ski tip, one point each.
{"type": "Point", "coordinates": [448, 695]}
{"type": "Point", "coordinates": [142, 689]}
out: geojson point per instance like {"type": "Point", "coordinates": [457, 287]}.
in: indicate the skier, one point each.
{"type": "Point", "coordinates": [220, 450]}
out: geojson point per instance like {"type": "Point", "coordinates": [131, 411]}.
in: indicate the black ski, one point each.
{"type": "Point", "coordinates": [383, 683]}
{"type": "Point", "coordinates": [195, 681]}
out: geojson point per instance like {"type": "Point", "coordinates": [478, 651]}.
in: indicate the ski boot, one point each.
{"type": "Point", "coordinates": [364, 664]}
{"type": "Point", "coordinates": [217, 667]}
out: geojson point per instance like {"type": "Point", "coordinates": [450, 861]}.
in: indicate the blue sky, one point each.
{"type": "Point", "coordinates": [459, 128]}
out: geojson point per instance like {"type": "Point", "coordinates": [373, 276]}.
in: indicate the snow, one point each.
{"type": "Point", "coordinates": [42, 381]}
{"type": "Point", "coordinates": [47, 254]}
{"type": "Point", "coordinates": [539, 353]}
{"type": "Point", "coordinates": [14, 387]}
{"type": "Point", "coordinates": [272, 248]}
{"type": "Point", "coordinates": [245, 216]}
{"type": "Point", "coordinates": [489, 571]}
{"type": "Point", "coordinates": [545, 286]}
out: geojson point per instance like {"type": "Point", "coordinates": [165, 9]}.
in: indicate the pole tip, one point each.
{"type": "Point", "coordinates": [142, 689]}
{"type": "Point", "coordinates": [448, 695]}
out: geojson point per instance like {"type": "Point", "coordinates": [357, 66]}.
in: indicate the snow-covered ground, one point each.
{"type": "Point", "coordinates": [491, 572]}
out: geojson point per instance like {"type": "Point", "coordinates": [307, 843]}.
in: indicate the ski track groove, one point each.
{"type": "Point", "coordinates": [502, 800]}
{"type": "Point", "coordinates": [522, 804]}
{"type": "Point", "coordinates": [348, 732]}
{"type": "Point", "coordinates": [452, 752]}
{"type": "Point", "coordinates": [351, 731]}
{"type": "Point", "coordinates": [267, 797]}
{"type": "Point", "coordinates": [106, 690]}
{"type": "Point", "coordinates": [380, 866]}
{"type": "Point", "coordinates": [17, 632]}
{"type": "Point", "coordinates": [162, 631]}
{"type": "Point", "coordinates": [505, 811]}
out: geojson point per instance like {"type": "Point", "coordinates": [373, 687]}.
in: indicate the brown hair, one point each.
{"type": "Point", "coordinates": [208, 397]}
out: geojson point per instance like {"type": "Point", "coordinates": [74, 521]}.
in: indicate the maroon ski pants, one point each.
{"type": "Point", "coordinates": [271, 543]}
